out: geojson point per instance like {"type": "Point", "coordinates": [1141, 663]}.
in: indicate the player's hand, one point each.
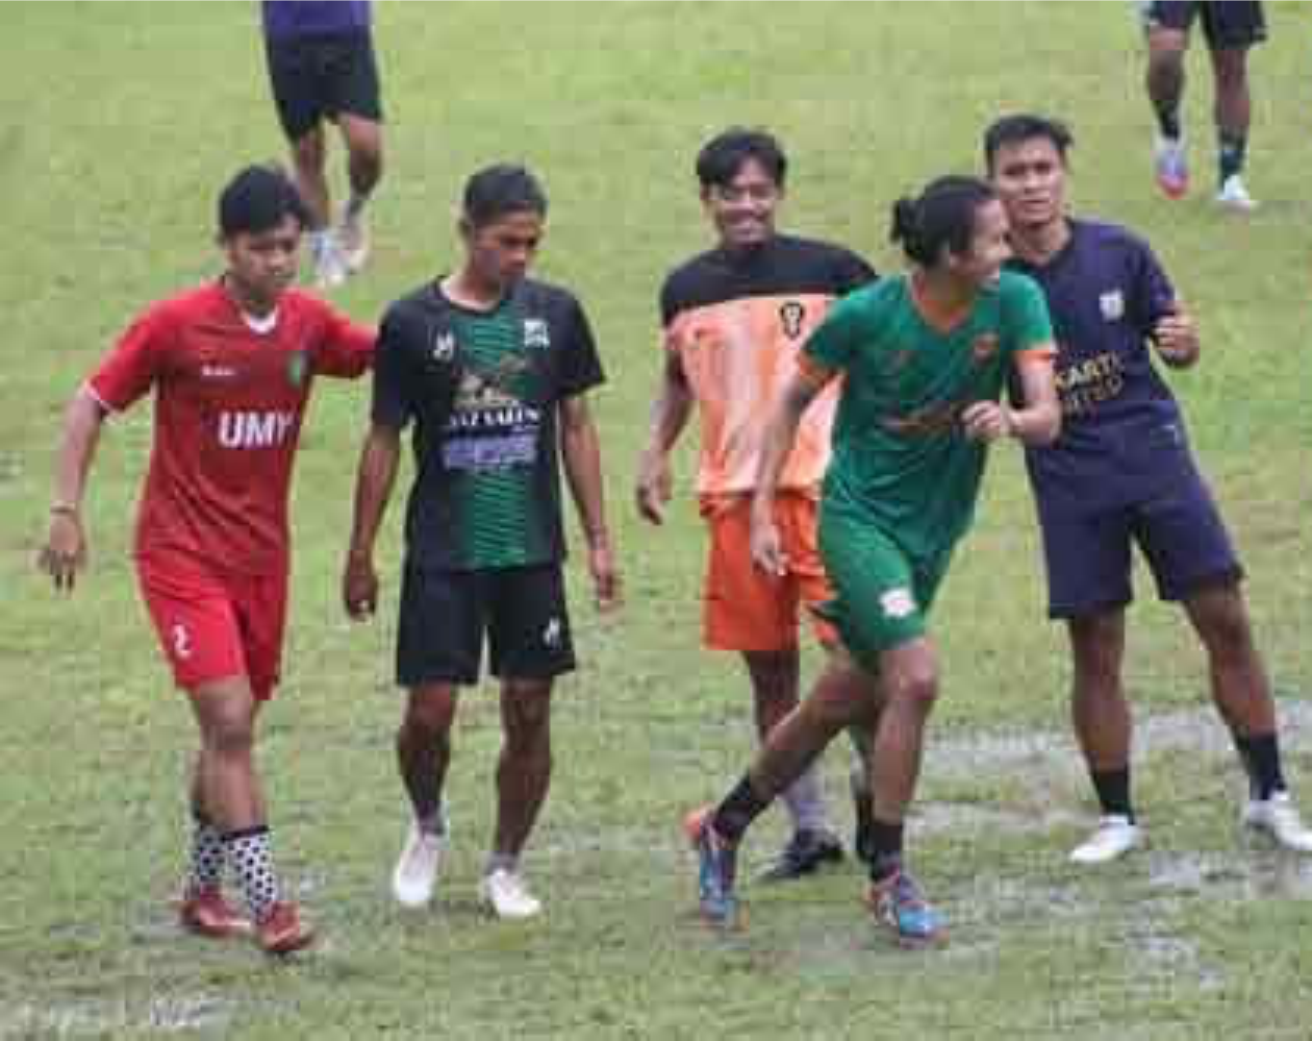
{"type": "Point", "coordinates": [654, 488]}
{"type": "Point", "coordinates": [359, 588]}
{"type": "Point", "coordinates": [986, 421]}
{"type": "Point", "coordinates": [767, 548]}
{"type": "Point", "coordinates": [1176, 337]}
{"type": "Point", "coordinates": [606, 584]}
{"type": "Point", "coordinates": [65, 551]}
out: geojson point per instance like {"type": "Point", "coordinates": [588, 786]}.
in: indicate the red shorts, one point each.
{"type": "Point", "coordinates": [214, 625]}
{"type": "Point", "coordinates": [746, 609]}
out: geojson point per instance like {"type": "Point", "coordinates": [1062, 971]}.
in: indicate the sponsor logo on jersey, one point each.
{"type": "Point", "coordinates": [444, 346]}
{"type": "Point", "coordinates": [255, 429]}
{"type": "Point", "coordinates": [551, 635]}
{"type": "Point", "coordinates": [792, 316]}
{"type": "Point", "coordinates": [298, 367]}
{"type": "Point", "coordinates": [536, 333]}
{"type": "Point", "coordinates": [1112, 306]}
{"type": "Point", "coordinates": [217, 372]}
{"type": "Point", "coordinates": [898, 603]}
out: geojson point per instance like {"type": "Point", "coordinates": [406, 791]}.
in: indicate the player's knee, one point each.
{"type": "Point", "coordinates": [308, 153]}
{"type": "Point", "coordinates": [429, 715]}
{"type": "Point", "coordinates": [230, 734]}
{"type": "Point", "coordinates": [916, 689]}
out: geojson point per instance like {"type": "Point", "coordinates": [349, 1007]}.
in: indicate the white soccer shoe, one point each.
{"type": "Point", "coordinates": [1171, 166]}
{"type": "Point", "coordinates": [1234, 196]}
{"type": "Point", "coordinates": [352, 238]}
{"type": "Point", "coordinates": [415, 876]}
{"type": "Point", "coordinates": [506, 895]}
{"type": "Point", "coordinates": [1278, 817]}
{"type": "Point", "coordinates": [330, 269]}
{"type": "Point", "coordinates": [1114, 837]}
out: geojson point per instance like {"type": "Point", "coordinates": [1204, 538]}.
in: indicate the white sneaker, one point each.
{"type": "Point", "coordinates": [1114, 837]}
{"type": "Point", "coordinates": [329, 264]}
{"type": "Point", "coordinates": [505, 893]}
{"type": "Point", "coordinates": [353, 242]}
{"type": "Point", "coordinates": [415, 876]}
{"type": "Point", "coordinates": [1234, 196]}
{"type": "Point", "coordinates": [1278, 817]}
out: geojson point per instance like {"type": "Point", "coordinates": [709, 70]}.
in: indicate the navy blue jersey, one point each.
{"type": "Point", "coordinates": [284, 19]}
{"type": "Point", "coordinates": [1122, 430]}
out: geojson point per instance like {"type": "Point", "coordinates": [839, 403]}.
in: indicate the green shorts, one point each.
{"type": "Point", "coordinates": [883, 593]}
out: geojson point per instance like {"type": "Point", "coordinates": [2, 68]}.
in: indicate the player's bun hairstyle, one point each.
{"type": "Point", "coordinates": [723, 156]}
{"type": "Point", "coordinates": [258, 199]}
{"type": "Point", "coordinates": [497, 191]}
{"type": "Point", "coordinates": [942, 218]}
{"type": "Point", "coordinates": [1025, 126]}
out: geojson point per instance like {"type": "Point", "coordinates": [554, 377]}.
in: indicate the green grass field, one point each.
{"type": "Point", "coordinates": [124, 119]}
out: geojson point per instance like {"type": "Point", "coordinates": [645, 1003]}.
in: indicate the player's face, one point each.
{"type": "Point", "coordinates": [1030, 179]}
{"type": "Point", "coordinates": [989, 249]}
{"type": "Point", "coordinates": [501, 252]}
{"type": "Point", "coordinates": [743, 210]}
{"type": "Point", "coordinates": [262, 264]}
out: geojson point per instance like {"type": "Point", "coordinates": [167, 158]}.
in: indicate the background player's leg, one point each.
{"type": "Point", "coordinates": [309, 162]}
{"type": "Point", "coordinates": [423, 753]}
{"type": "Point", "coordinates": [1165, 81]}
{"type": "Point", "coordinates": [774, 676]}
{"type": "Point", "coordinates": [364, 165]}
{"type": "Point", "coordinates": [1232, 113]}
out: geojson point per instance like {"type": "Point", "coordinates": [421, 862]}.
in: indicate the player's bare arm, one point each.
{"type": "Point", "coordinates": [1176, 337]}
{"type": "Point", "coordinates": [670, 414]}
{"type": "Point", "coordinates": [580, 450]}
{"type": "Point", "coordinates": [373, 489]}
{"type": "Point", "coordinates": [1036, 422]}
{"type": "Point", "coordinates": [65, 549]}
{"type": "Point", "coordinates": [780, 433]}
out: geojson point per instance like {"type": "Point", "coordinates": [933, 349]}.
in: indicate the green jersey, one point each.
{"type": "Point", "coordinates": [901, 459]}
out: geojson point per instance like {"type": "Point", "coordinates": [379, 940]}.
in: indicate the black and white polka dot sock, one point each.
{"type": "Point", "coordinates": [206, 869]}
{"type": "Point", "coordinates": [250, 854]}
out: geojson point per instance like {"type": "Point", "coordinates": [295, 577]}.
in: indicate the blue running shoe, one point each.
{"type": "Point", "coordinates": [716, 864]}
{"type": "Point", "coordinates": [898, 903]}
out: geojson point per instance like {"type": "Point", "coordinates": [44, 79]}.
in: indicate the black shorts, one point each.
{"type": "Point", "coordinates": [445, 614]}
{"type": "Point", "coordinates": [322, 76]}
{"type": "Point", "coordinates": [1227, 24]}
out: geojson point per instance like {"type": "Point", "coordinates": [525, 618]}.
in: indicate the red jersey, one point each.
{"type": "Point", "coordinates": [229, 401]}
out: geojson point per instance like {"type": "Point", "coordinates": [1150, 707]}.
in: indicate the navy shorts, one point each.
{"type": "Point", "coordinates": [1179, 531]}
{"type": "Point", "coordinates": [1228, 25]}
{"type": "Point", "coordinates": [445, 616]}
{"type": "Point", "coordinates": [320, 77]}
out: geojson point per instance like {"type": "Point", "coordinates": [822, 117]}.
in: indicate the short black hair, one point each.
{"type": "Point", "coordinates": [723, 156]}
{"type": "Point", "coordinates": [258, 199]}
{"type": "Point", "coordinates": [943, 217]}
{"type": "Point", "coordinates": [1025, 126]}
{"type": "Point", "coordinates": [501, 189]}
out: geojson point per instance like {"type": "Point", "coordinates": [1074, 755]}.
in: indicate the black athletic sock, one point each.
{"type": "Point", "coordinates": [1168, 119]}
{"type": "Point", "coordinates": [740, 807]}
{"type": "Point", "coordinates": [1113, 788]}
{"type": "Point", "coordinates": [1230, 153]}
{"type": "Point", "coordinates": [1261, 756]}
{"type": "Point", "coordinates": [886, 845]}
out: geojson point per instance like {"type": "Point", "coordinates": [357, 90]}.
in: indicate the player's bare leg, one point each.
{"type": "Point", "coordinates": [1233, 113]}
{"type": "Point", "coordinates": [1242, 694]}
{"type": "Point", "coordinates": [364, 148]}
{"type": "Point", "coordinates": [1165, 81]}
{"type": "Point", "coordinates": [225, 712]}
{"type": "Point", "coordinates": [423, 753]}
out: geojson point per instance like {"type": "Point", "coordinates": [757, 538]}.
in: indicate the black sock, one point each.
{"type": "Point", "coordinates": [1230, 154]}
{"type": "Point", "coordinates": [1261, 756]}
{"type": "Point", "coordinates": [740, 807]}
{"type": "Point", "coordinates": [1113, 788]}
{"type": "Point", "coordinates": [886, 845]}
{"type": "Point", "coordinates": [1168, 119]}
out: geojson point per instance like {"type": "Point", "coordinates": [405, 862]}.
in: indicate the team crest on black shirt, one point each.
{"type": "Point", "coordinates": [791, 316]}
{"type": "Point", "coordinates": [984, 347]}
{"type": "Point", "coordinates": [1112, 305]}
{"type": "Point", "coordinates": [297, 366]}
{"type": "Point", "coordinates": [536, 333]}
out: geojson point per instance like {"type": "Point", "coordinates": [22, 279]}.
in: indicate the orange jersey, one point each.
{"type": "Point", "coordinates": [736, 325]}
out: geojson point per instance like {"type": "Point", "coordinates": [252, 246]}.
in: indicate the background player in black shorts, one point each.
{"type": "Point", "coordinates": [321, 66]}
{"type": "Point", "coordinates": [493, 368]}
{"type": "Point", "coordinates": [1231, 28]}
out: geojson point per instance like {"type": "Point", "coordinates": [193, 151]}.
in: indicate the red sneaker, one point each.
{"type": "Point", "coordinates": [282, 931]}
{"type": "Point", "coordinates": [206, 913]}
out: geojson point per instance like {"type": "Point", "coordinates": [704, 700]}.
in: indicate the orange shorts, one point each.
{"type": "Point", "coordinates": [746, 609]}
{"type": "Point", "coordinates": [216, 625]}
